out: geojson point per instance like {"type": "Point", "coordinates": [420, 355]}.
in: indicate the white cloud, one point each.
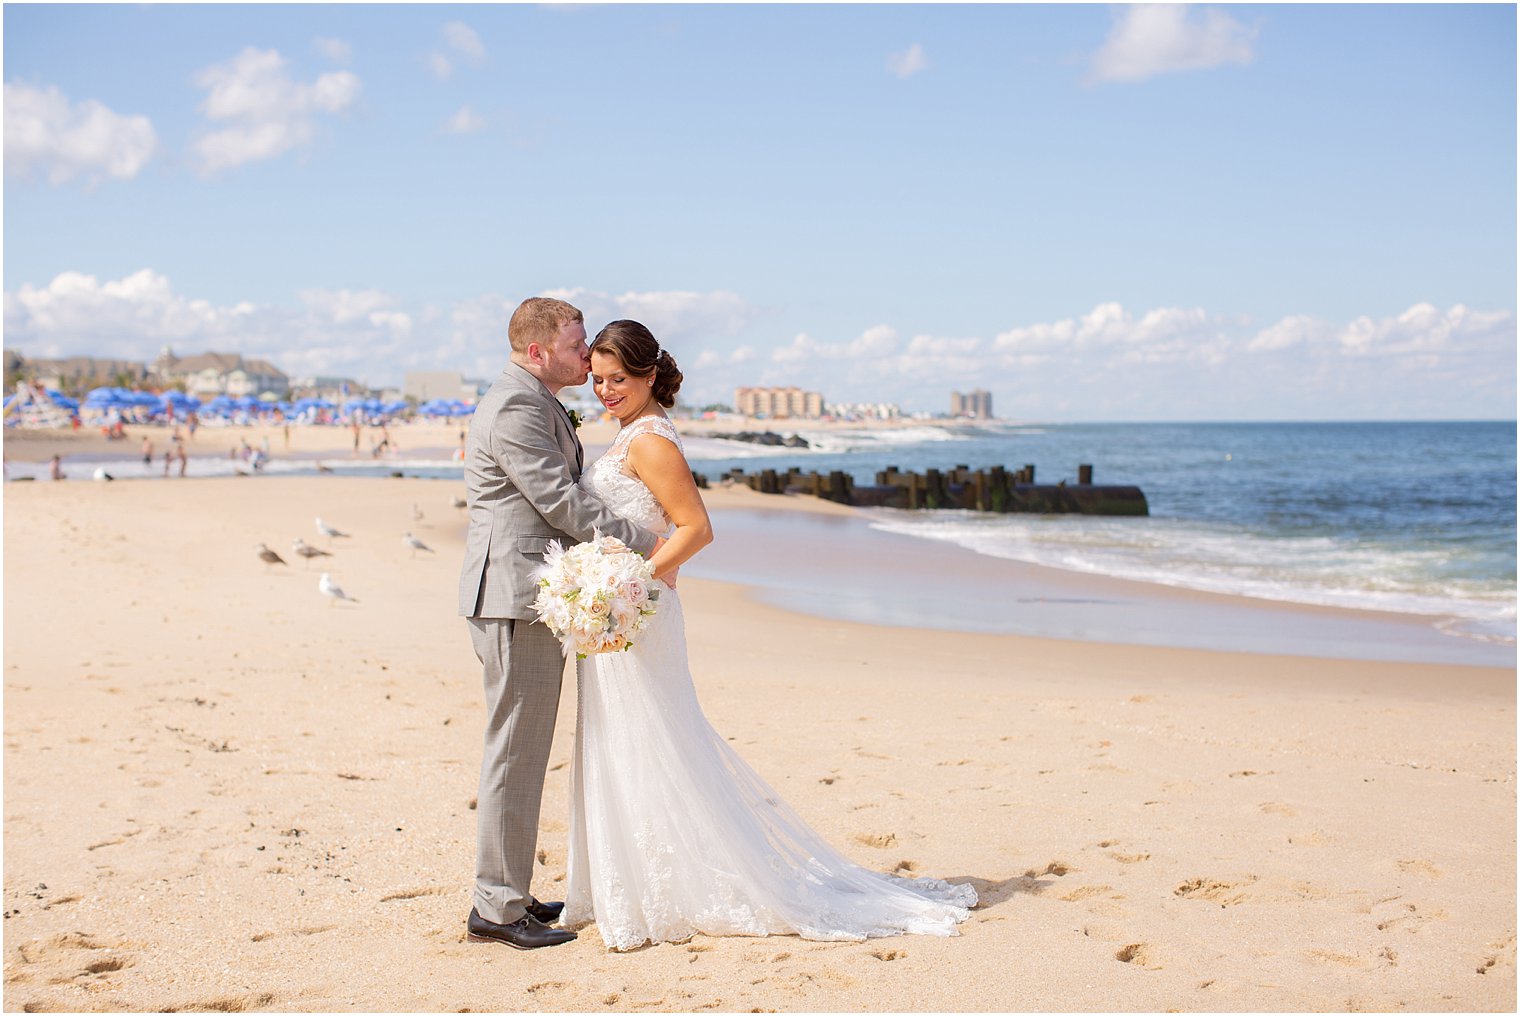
{"type": "Point", "coordinates": [336, 50]}
{"type": "Point", "coordinates": [343, 306]}
{"type": "Point", "coordinates": [46, 133]}
{"type": "Point", "coordinates": [357, 333]}
{"type": "Point", "coordinates": [683, 321]}
{"type": "Point", "coordinates": [464, 42]}
{"type": "Point", "coordinates": [876, 341]}
{"type": "Point", "coordinates": [909, 62]}
{"type": "Point", "coordinates": [464, 121]}
{"type": "Point", "coordinates": [1164, 363]}
{"type": "Point", "coordinates": [1423, 332]}
{"type": "Point", "coordinates": [264, 112]}
{"type": "Point", "coordinates": [1287, 333]}
{"type": "Point", "coordinates": [1151, 39]}
{"type": "Point", "coordinates": [710, 358]}
{"type": "Point", "coordinates": [1162, 333]}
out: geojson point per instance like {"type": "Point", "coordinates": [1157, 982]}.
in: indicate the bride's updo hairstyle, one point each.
{"type": "Point", "coordinates": [641, 356]}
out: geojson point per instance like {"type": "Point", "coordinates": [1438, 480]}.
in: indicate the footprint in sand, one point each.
{"type": "Point", "coordinates": [879, 840]}
{"type": "Point", "coordinates": [1138, 953]}
{"type": "Point", "coordinates": [229, 1003]}
{"type": "Point", "coordinates": [546, 986]}
{"type": "Point", "coordinates": [1338, 959]}
{"type": "Point", "coordinates": [1419, 866]}
{"type": "Point", "coordinates": [1224, 893]}
{"type": "Point", "coordinates": [1276, 808]}
{"type": "Point", "coordinates": [1504, 953]}
{"type": "Point", "coordinates": [412, 894]}
{"type": "Point", "coordinates": [1085, 892]}
{"type": "Point", "coordinates": [888, 955]}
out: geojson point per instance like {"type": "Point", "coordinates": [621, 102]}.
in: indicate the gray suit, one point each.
{"type": "Point", "coordinates": [521, 463]}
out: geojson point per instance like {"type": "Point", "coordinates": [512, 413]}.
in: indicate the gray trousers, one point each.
{"type": "Point", "coordinates": [524, 669]}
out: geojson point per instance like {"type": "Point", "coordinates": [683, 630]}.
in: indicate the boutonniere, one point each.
{"type": "Point", "coordinates": [575, 418]}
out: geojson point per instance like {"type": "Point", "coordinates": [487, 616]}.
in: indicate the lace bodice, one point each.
{"type": "Point", "coordinates": [609, 482]}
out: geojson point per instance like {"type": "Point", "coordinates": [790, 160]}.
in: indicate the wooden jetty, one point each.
{"type": "Point", "coordinates": [996, 489]}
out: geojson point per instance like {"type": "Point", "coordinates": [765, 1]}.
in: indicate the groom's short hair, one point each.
{"type": "Point", "coordinates": [538, 319]}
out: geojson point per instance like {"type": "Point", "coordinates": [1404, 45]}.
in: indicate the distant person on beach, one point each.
{"type": "Point", "coordinates": [147, 450]}
{"type": "Point", "coordinates": [522, 461]}
{"type": "Point", "coordinates": [184, 459]}
{"type": "Point", "coordinates": [56, 472]}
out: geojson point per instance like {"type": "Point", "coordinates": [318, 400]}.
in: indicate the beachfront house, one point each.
{"type": "Point", "coordinates": [207, 375]}
{"type": "Point", "coordinates": [73, 374]}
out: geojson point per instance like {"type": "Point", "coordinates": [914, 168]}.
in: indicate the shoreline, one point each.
{"type": "Point", "coordinates": [223, 793]}
{"type": "Point", "coordinates": [1036, 587]}
{"type": "Point", "coordinates": [954, 588]}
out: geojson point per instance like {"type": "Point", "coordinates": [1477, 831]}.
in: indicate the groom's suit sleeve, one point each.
{"type": "Point", "coordinates": [524, 444]}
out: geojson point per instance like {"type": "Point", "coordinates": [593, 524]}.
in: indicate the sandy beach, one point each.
{"type": "Point", "coordinates": [223, 793]}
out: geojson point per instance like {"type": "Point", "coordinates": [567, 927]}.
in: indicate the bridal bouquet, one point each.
{"type": "Point", "coordinates": [595, 597]}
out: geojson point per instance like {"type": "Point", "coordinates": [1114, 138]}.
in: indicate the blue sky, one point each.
{"type": "Point", "coordinates": [1095, 212]}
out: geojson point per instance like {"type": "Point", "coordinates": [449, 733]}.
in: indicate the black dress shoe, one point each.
{"type": "Point", "coordinates": [544, 913]}
{"type": "Point", "coordinates": [524, 933]}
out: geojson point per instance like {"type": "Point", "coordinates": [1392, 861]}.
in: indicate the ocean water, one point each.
{"type": "Point", "coordinates": [1408, 517]}
{"type": "Point", "coordinates": [1414, 518]}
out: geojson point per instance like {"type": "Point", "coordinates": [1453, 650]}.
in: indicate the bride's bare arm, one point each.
{"type": "Point", "coordinates": [664, 470]}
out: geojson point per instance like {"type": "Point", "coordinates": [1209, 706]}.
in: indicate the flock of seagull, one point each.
{"type": "Point", "coordinates": [325, 585]}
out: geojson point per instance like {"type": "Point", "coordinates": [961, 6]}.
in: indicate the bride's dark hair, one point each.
{"type": "Point", "coordinates": [636, 349]}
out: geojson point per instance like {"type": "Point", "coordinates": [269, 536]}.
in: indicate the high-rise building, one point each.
{"type": "Point", "coordinates": [779, 403]}
{"type": "Point", "coordinates": [977, 404]}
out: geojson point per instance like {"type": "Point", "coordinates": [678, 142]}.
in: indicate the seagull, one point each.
{"type": "Point", "coordinates": [307, 551]}
{"type": "Point", "coordinates": [268, 556]}
{"type": "Point", "coordinates": [323, 469]}
{"type": "Point", "coordinates": [460, 502]}
{"type": "Point", "coordinates": [415, 544]}
{"type": "Point", "coordinates": [101, 474]}
{"type": "Point", "coordinates": [332, 590]}
{"type": "Point", "coordinates": [326, 530]}
{"type": "Point", "coordinates": [416, 513]}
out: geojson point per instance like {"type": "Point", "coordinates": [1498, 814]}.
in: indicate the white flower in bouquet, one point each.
{"type": "Point", "coordinates": [595, 597]}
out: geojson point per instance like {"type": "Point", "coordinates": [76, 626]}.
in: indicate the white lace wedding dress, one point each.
{"type": "Point", "coordinates": [671, 833]}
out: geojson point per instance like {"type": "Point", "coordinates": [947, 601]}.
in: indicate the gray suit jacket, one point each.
{"type": "Point", "coordinates": [521, 463]}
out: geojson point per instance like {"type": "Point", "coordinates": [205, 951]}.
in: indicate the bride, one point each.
{"type": "Point", "coordinates": [671, 832]}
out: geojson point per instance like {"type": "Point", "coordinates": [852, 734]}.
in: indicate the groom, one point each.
{"type": "Point", "coordinates": [522, 460]}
